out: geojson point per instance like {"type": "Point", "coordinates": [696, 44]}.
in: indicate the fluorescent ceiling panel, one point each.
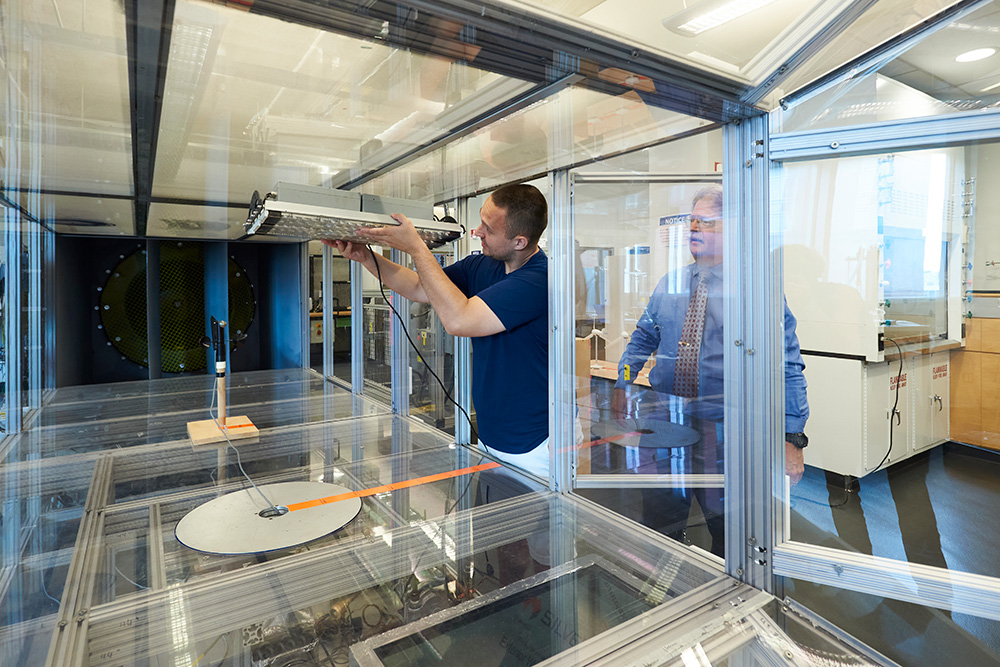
{"type": "Point", "coordinates": [71, 95]}
{"type": "Point", "coordinates": [250, 100]}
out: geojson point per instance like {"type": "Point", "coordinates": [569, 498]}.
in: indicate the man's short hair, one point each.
{"type": "Point", "coordinates": [712, 194]}
{"type": "Point", "coordinates": [525, 211]}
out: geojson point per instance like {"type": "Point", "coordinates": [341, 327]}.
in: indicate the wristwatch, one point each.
{"type": "Point", "coordinates": [798, 439]}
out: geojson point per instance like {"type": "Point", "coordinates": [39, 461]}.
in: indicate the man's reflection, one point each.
{"type": "Point", "coordinates": [683, 326]}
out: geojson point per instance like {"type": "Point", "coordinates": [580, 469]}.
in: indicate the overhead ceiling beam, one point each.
{"type": "Point", "coordinates": [148, 29]}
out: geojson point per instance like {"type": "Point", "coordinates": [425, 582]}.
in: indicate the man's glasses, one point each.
{"type": "Point", "coordinates": [704, 223]}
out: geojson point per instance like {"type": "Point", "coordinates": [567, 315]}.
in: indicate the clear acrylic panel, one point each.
{"type": "Point", "coordinates": [395, 570]}
{"type": "Point", "coordinates": [112, 417]}
{"type": "Point", "coordinates": [649, 326]}
{"type": "Point", "coordinates": [68, 214]}
{"type": "Point", "coordinates": [432, 362]}
{"type": "Point", "coordinates": [250, 101]}
{"type": "Point", "coordinates": [729, 38]}
{"type": "Point", "coordinates": [951, 70]}
{"type": "Point", "coordinates": [190, 221]}
{"type": "Point", "coordinates": [376, 335]}
{"type": "Point", "coordinates": [907, 633]}
{"type": "Point", "coordinates": [71, 81]}
{"type": "Point", "coordinates": [10, 218]}
{"type": "Point", "coordinates": [888, 269]}
{"type": "Point", "coordinates": [574, 125]}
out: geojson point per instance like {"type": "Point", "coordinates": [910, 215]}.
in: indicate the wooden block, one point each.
{"type": "Point", "coordinates": [205, 432]}
{"type": "Point", "coordinates": [582, 367]}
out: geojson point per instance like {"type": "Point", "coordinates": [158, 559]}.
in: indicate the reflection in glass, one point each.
{"type": "Point", "coordinates": [907, 633]}
{"type": "Point", "coordinates": [249, 101]}
{"type": "Point", "coordinates": [887, 266]}
{"type": "Point", "coordinates": [676, 350]}
{"type": "Point", "coordinates": [929, 78]}
{"type": "Point", "coordinates": [524, 144]}
{"type": "Point", "coordinates": [728, 37]}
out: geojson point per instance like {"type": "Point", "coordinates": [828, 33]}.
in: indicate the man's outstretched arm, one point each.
{"type": "Point", "coordinates": [460, 315]}
{"type": "Point", "coordinates": [399, 279]}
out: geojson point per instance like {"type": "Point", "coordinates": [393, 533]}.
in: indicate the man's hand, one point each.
{"type": "Point", "coordinates": [357, 252]}
{"type": "Point", "coordinates": [794, 463]}
{"type": "Point", "coordinates": [403, 237]}
{"type": "Point", "coordinates": [619, 404]}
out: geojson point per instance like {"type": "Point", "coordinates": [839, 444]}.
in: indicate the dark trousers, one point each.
{"type": "Point", "coordinates": [667, 510]}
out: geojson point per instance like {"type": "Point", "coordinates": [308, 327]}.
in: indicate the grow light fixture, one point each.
{"type": "Point", "coordinates": [306, 213]}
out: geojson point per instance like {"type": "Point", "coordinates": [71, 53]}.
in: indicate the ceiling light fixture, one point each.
{"type": "Point", "coordinates": [709, 14]}
{"type": "Point", "coordinates": [989, 88]}
{"type": "Point", "coordinates": [974, 55]}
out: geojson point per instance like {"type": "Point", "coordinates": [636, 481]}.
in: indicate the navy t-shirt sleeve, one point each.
{"type": "Point", "coordinates": [520, 298]}
{"type": "Point", "coordinates": [459, 275]}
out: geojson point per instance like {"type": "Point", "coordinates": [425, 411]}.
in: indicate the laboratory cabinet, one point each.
{"type": "Point", "coordinates": [869, 415]}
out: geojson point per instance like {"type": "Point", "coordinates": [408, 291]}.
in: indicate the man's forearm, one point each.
{"type": "Point", "coordinates": [399, 279]}
{"type": "Point", "coordinates": [448, 301]}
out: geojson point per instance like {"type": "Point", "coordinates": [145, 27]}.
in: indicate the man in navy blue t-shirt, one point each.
{"type": "Point", "coordinates": [500, 300]}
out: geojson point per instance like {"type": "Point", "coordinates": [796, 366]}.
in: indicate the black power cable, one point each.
{"type": "Point", "coordinates": [447, 394]}
{"type": "Point", "coordinates": [448, 510]}
{"type": "Point", "coordinates": [899, 375]}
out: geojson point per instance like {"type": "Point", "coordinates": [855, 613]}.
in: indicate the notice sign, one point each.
{"type": "Point", "coordinates": [940, 371]}
{"type": "Point", "coordinates": [673, 230]}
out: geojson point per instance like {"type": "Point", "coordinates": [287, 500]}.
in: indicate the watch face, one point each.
{"type": "Point", "coordinates": [797, 439]}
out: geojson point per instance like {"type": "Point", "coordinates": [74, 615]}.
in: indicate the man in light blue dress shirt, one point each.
{"type": "Point", "coordinates": [661, 331]}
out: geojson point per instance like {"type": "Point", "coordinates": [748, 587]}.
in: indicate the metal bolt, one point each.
{"type": "Point", "coordinates": [835, 144]}
{"type": "Point", "coordinates": [788, 654]}
{"type": "Point", "coordinates": [750, 351]}
{"type": "Point", "coordinates": [62, 624]}
{"type": "Point", "coordinates": [738, 342]}
{"type": "Point", "coordinates": [739, 571]}
{"type": "Point", "coordinates": [749, 163]}
{"type": "Point", "coordinates": [839, 569]}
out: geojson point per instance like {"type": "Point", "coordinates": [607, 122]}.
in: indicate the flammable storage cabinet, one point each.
{"type": "Point", "coordinates": [868, 415]}
{"type": "Point", "coordinates": [876, 273]}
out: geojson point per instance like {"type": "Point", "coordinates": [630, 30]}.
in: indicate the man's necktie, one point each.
{"type": "Point", "coordinates": [689, 347]}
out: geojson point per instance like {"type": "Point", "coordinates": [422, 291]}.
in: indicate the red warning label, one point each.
{"type": "Point", "coordinates": [940, 371]}
{"type": "Point", "coordinates": [892, 381]}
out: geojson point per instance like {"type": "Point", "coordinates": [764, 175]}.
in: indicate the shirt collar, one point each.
{"type": "Point", "coordinates": [711, 272]}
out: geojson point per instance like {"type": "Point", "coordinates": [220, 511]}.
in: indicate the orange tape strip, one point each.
{"type": "Point", "coordinates": [306, 504]}
{"type": "Point", "coordinates": [228, 427]}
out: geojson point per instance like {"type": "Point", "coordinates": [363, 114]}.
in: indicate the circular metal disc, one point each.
{"type": "Point", "coordinates": [648, 432]}
{"type": "Point", "coordinates": [231, 524]}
